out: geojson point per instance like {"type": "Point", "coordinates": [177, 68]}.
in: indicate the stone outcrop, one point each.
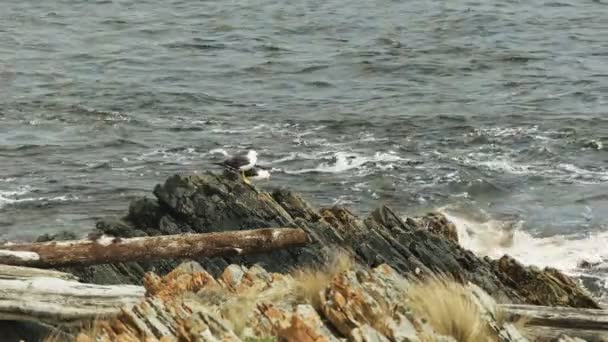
{"type": "Point", "coordinates": [542, 287]}
{"type": "Point", "coordinates": [421, 246]}
{"type": "Point", "coordinates": [251, 304]}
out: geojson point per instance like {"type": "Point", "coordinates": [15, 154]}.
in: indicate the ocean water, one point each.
{"type": "Point", "coordinates": [493, 112]}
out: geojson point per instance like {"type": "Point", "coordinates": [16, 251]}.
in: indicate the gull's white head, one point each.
{"type": "Point", "coordinates": [252, 154]}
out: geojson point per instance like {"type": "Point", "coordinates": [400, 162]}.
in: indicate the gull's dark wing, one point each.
{"type": "Point", "coordinates": [236, 161]}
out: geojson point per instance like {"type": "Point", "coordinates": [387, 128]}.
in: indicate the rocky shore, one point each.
{"type": "Point", "coordinates": [340, 301]}
{"type": "Point", "coordinates": [388, 249]}
{"type": "Point", "coordinates": [417, 245]}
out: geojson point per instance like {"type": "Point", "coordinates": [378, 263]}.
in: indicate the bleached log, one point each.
{"type": "Point", "coordinates": [17, 272]}
{"type": "Point", "coordinates": [546, 323]}
{"type": "Point", "coordinates": [110, 250]}
{"type": "Point", "coordinates": [59, 301]}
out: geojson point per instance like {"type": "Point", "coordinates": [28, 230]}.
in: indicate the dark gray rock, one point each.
{"type": "Point", "coordinates": [63, 235]}
{"type": "Point", "coordinates": [215, 203]}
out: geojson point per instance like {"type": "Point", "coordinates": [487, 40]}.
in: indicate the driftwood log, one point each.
{"type": "Point", "coordinates": [546, 323]}
{"type": "Point", "coordinates": [107, 249]}
{"type": "Point", "coordinates": [55, 297]}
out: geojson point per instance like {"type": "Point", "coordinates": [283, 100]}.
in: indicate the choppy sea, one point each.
{"type": "Point", "coordinates": [493, 112]}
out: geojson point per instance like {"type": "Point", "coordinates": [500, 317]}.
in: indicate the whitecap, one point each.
{"type": "Point", "coordinates": [345, 161]}
{"type": "Point", "coordinates": [495, 163]}
{"type": "Point", "coordinates": [15, 196]}
{"type": "Point", "coordinates": [577, 173]}
{"type": "Point", "coordinates": [503, 132]}
{"type": "Point", "coordinates": [291, 156]}
{"type": "Point", "coordinates": [219, 151]}
{"type": "Point", "coordinates": [182, 156]}
{"type": "Point", "coordinates": [486, 236]}
{"type": "Point", "coordinates": [12, 196]}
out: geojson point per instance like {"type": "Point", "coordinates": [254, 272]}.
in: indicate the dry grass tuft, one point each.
{"type": "Point", "coordinates": [238, 312]}
{"type": "Point", "coordinates": [309, 281]}
{"type": "Point", "coordinates": [239, 307]}
{"type": "Point", "coordinates": [55, 336]}
{"type": "Point", "coordinates": [449, 308]}
{"type": "Point", "coordinates": [305, 286]}
{"type": "Point", "coordinates": [88, 332]}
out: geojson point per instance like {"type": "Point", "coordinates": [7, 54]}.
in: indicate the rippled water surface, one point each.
{"type": "Point", "coordinates": [496, 112]}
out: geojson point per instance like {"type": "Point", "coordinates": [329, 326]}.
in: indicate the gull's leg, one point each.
{"type": "Point", "coordinates": [245, 180]}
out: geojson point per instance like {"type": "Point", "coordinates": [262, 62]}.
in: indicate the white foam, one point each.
{"type": "Point", "coordinates": [347, 161]}
{"type": "Point", "coordinates": [492, 162]}
{"type": "Point", "coordinates": [13, 196]}
{"type": "Point", "coordinates": [495, 238]}
{"type": "Point", "coordinates": [302, 156]}
{"type": "Point", "coordinates": [506, 164]}
{"type": "Point", "coordinates": [583, 175]}
{"type": "Point", "coordinates": [369, 137]}
{"type": "Point", "coordinates": [182, 157]}
{"type": "Point", "coordinates": [501, 132]}
{"type": "Point", "coordinates": [219, 151]}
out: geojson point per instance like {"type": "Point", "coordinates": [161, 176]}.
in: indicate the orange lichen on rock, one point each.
{"type": "Point", "coordinates": [346, 300]}
{"type": "Point", "coordinates": [349, 306]}
{"type": "Point", "coordinates": [300, 330]}
{"type": "Point", "coordinates": [175, 283]}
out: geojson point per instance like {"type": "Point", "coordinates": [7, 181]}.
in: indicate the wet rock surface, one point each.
{"type": "Point", "coordinates": [417, 245]}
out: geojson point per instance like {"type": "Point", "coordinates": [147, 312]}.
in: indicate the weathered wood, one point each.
{"type": "Point", "coordinates": [60, 301]}
{"type": "Point", "coordinates": [110, 250]}
{"type": "Point", "coordinates": [16, 272]}
{"type": "Point", "coordinates": [547, 323]}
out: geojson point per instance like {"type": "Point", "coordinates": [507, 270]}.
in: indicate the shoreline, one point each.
{"type": "Point", "coordinates": [415, 246]}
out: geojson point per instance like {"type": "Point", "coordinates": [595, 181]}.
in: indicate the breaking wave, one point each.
{"type": "Point", "coordinates": [491, 237]}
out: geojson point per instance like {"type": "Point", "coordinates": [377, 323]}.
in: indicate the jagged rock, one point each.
{"type": "Point", "coordinates": [254, 304]}
{"type": "Point", "coordinates": [210, 203]}
{"type": "Point", "coordinates": [543, 287]}
{"type": "Point", "coordinates": [63, 235]}
{"type": "Point", "coordinates": [588, 265]}
{"type": "Point", "coordinates": [438, 224]}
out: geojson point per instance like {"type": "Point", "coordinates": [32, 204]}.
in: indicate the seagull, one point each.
{"type": "Point", "coordinates": [242, 162]}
